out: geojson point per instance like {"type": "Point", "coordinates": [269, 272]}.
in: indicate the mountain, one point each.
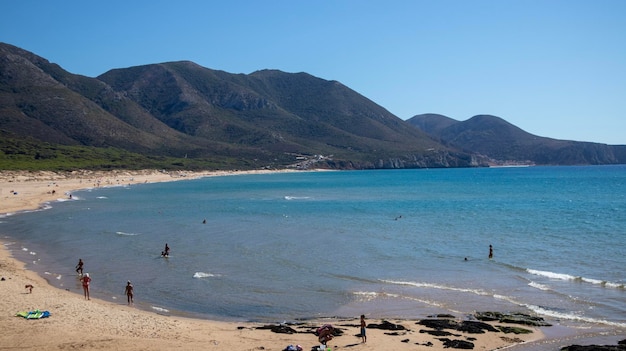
{"type": "Point", "coordinates": [504, 143]}
{"type": "Point", "coordinates": [181, 110]}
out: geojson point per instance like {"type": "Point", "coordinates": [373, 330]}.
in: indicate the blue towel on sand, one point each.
{"type": "Point", "coordinates": [36, 314]}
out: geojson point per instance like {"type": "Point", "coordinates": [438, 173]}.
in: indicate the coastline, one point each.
{"type": "Point", "coordinates": [101, 324]}
{"type": "Point", "coordinates": [94, 324]}
{"type": "Point", "coordinates": [29, 190]}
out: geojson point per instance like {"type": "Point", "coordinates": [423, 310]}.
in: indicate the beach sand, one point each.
{"type": "Point", "coordinates": [76, 323]}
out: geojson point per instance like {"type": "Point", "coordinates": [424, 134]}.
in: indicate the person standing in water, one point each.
{"type": "Point", "coordinates": [129, 292]}
{"type": "Point", "coordinates": [490, 252]}
{"type": "Point", "coordinates": [79, 266]}
{"type": "Point", "coordinates": [166, 251]}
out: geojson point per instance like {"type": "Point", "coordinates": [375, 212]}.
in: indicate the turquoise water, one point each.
{"type": "Point", "coordinates": [386, 243]}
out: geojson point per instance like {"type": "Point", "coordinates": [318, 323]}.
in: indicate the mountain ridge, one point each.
{"type": "Point", "coordinates": [504, 143]}
{"type": "Point", "coordinates": [191, 115]}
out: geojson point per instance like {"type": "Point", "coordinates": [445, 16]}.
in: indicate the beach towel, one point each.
{"type": "Point", "coordinates": [36, 314]}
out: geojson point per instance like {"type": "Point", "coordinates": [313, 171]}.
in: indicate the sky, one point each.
{"type": "Point", "coordinates": [554, 68]}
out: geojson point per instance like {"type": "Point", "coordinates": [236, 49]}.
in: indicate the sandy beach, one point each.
{"type": "Point", "coordinates": [76, 323]}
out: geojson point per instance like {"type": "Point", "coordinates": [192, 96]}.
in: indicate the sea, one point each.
{"type": "Point", "coordinates": [385, 243]}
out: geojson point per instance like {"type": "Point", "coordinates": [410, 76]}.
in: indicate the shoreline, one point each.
{"type": "Point", "coordinates": [103, 324]}
{"type": "Point", "coordinates": [89, 324]}
{"type": "Point", "coordinates": [29, 190]}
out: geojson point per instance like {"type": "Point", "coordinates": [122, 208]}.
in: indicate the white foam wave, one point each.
{"type": "Point", "coordinates": [370, 295]}
{"type": "Point", "coordinates": [569, 277]}
{"type": "Point", "coordinates": [505, 298]}
{"type": "Point", "coordinates": [101, 197]}
{"type": "Point", "coordinates": [614, 285]}
{"type": "Point", "coordinates": [205, 275]}
{"type": "Point", "coordinates": [297, 197]}
{"type": "Point", "coordinates": [437, 286]}
{"type": "Point", "coordinates": [552, 275]}
{"type": "Point", "coordinates": [538, 286]}
{"type": "Point", "coordinates": [126, 234]}
{"type": "Point", "coordinates": [159, 309]}
{"type": "Point", "coordinates": [572, 316]}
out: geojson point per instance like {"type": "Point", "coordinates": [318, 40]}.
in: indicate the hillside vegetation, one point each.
{"type": "Point", "coordinates": [179, 110]}
{"type": "Point", "coordinates": [181, 115]}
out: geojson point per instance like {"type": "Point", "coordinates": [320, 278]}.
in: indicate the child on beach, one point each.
{"type": "Point", "coordinates": [129, 292]}
{"type": "Point", "coordinates": [325, 333]}
{"type": "Point", "coordinates": [363, 336]}
{"type": "Point", "coordinates": [86, 280]}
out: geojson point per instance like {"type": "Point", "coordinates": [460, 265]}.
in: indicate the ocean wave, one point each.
{"type": "Point", "coordinates": [367, 296]}
{"type": "Point", "coordinates": [569, 277]}
{"type": "Point", "coordinates": [538, 286]}
{"type": "Point", "coordinates": [64, 199]}
{"type": "Point", "coordinates": [572, 316]}
{"type": "Point", "coordinates": [437, 286]}
{"type": "Point", "coordinates": [297, 197]}
{"type": "Point", "coordinates": [126, 234]}
{"type": "Point", "coordinates": [160, 309]}
{"type": "Point", "coordinates": [205, 275]}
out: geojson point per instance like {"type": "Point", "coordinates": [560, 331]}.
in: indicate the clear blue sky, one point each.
{"type": "Point", "coordinates": [554, 68]}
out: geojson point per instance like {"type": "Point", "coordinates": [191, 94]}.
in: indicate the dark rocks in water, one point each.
{"type": "Point", "coordinates": [457, 344]}
{"type": "Point", "coordinates": [442, 315]}
{"type": "Point", "coordinates": [385, 325]}
{"type": "Point", "coordinates": [621, 346]}
{"type": "Point", "coordinates": [514, 330]}
{"type": "Point", "coordinates": [488, 316]}
{"type": "Point", "coordinates": [471, 327]}
{"type": "Point", "coordinates": [280, 329]}
{"type": "Point", "coordinates": [513, 318]}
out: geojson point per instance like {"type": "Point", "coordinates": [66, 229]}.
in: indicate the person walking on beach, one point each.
{"type": "Point", "coordinates": [363, 336]}
{"type": "Point", "coordinates": [129, 292]}
{"type": "Point", "coordinates": [490, 252]}
{"type": "Point", "coordinates": [79, 266]}
{"type": "Point", "coordinates": [86, 280]}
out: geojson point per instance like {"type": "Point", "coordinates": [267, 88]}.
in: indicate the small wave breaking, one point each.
{"type": "Point", "coordinates": [200, 275]}
{"type": "Point", "coordinates": [572, 316]}
{"type": "Point", "coordinates": [126, 234]}
{"type": "Point", "coordinates": [287, 197]}
{"type": "Point", "coordinates": [160, 309]}
{"type": "Point", "coordinates": [569, 277]}
{"type": "Point", "coordinates": [437, 286]}
{"type": "Point", "coordinates": [367, 296]}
